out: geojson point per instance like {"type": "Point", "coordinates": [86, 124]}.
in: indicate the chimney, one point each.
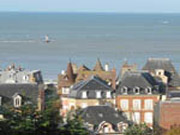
{"type": "Point", "coordinates": [106, 67]}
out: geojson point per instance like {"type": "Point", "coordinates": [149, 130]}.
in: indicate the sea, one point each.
{"type": "Point", "coordinates": [83, 37]}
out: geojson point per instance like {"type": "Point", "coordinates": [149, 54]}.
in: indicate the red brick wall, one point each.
{"type": "Point", "coordinates": [169, 114]}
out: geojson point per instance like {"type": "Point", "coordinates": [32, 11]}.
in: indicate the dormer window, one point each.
{"type": "Point", "coordinates": [25, 78]}
{"type": "Point", "coordinates": [149, 90]}
{"type": "Point", "coordinates": [124, 90]}
{"type": "Point", "coordinates": [98, 94]}
{"type": "Point", "coordinates": [84, 94]}
{"type": "Point", "coordinates": [137, 90]}
{"type": "Point", "coordinates": [108, 94]}
{"type": "Point", "coordinates": [17, 101]}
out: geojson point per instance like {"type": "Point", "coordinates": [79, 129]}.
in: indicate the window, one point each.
{"type": "Point", "coordinates": [84, 94]}
{"type": "Point", "coordinates": [149, 90]}
{"type": "Point", "coordinates": [108, 94]}
{"type": "Point", "coordinates": [65, 90]}
{"type": "Point", "coordinates": [124, 90]}
{"type": "Point", "coordinates": [148, 117]}
{"type": "Point", "coordinates": [25, 78]}
{"type": "Point", "coordinates": [148, 104]}
{"type": "Point", "coordinates": [17, 101]}
{"type": "Point", "coordinates": [98, 94]}
{"type": "Point", "coordinates": [137, 90]}
{"type": "Point", "coordinates": [124, 104]}
{"type": "Point", "coordinates": [136, 117]}
{"type": "Point", "coordinates": [0, 101]}
{"type": "Point", "coordinates": [84, 105]}
{"type": "Point", "coordinates": [106, 129]}
{"type": "Point", "coordinates": [137, 104]}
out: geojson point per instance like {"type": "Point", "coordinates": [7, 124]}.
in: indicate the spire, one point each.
{"type": "Point", "coordinates": [70, 73]}
{"type": "Point", "coordinates": [98, 66]}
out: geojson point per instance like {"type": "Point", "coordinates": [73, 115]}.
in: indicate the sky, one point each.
{"type": "Point", "coordinates": [119, 6]}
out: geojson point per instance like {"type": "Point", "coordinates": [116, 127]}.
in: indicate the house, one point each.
{"type": "Point", "coordinates": [167, 114]}
{"type": "Point", "coordinates": [15, 95]}
{"type": "Point", "coordinates": [163, 70]}
{"type": "Point", "coordinates": [137, 94]}
{"type": "Point", "coordinates": [104, 120]}
{"type": "Point", "coordinates": [74, 75]}
{"type": "Point", "coordinates": [91, 92]}
{"type": "Point", "coordinates": [14, 74]}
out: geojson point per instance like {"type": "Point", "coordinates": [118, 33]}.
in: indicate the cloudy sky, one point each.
{"type": "Point", "coordinates": [144, 6]}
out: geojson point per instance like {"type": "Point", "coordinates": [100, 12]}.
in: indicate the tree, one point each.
{"type": "Point", "coordinates": [141, 129]}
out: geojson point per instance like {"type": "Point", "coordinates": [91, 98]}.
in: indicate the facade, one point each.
{"type": "Point", "coordinates": [15, 95]}
{"type": "Point", "coordinates": [91, 92]}
{"type": "Point", "coordinates": [136, 96]}
{"type": "Point", "coordinates": [167, 114]}
{"type": "Point", "coordinates": [12, 74]}
{"type": "Point", "coordinates": [104, 120]}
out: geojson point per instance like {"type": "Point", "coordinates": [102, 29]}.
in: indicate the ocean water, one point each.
{"type": "Point", "coordinates": [84, 37]}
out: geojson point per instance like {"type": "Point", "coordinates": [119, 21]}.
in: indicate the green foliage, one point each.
{"type": "Point", "coordinates": [26, 120]}
{"type": "Point", "coordinates": [141, 129]}
{"type": "Point", "coordinates": [173, 131]}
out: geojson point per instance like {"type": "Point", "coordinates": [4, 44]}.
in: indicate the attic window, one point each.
{"type": "Point", "coordinates": [137, 90]}
{"type": "Point", "coordinates": [100, 115]}
{"type": "Point", "coordinates": [124, 90]}
{"type": "Point", "coordinates": [17, 101]}
{"type": "Point", "coordinates": [98, 94]}
{"type": "Point", "coordinates": [84, 94]}
{"type": "Point", "coordinates": [108, 94]}
{"type": "Point", "coordinates": [149, 90]}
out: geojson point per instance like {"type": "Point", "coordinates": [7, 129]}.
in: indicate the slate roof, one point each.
{"type": "Point", "coordinates": [143, 80]}
{"type": "Point", "coordinates": [90, 85]}
{"type": "Point", "coordinates": [173, 94]}
{"type": "Point", "coordinates": [165, 64]}
{"type": "Point", "coordinates": [159, 63]}
{"type": "Point", "coordinates": [97, 114]}
{"type": "Point", "coordinates": [26, 90]}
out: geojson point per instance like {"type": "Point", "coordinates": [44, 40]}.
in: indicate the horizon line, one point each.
{"type": "Point", "coordinates": [106, 12]}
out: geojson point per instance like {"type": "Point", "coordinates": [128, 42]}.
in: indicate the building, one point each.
{"type": "Point", "coordinates": [14, 74]}
{"type": "Point", "coordinates": [15, 95]}
{"type": "Point", "coordinates": [91, 92]}
{"type": "Point", "coordinates": [163, 70]}
{"type": "Point", "coordinates": [104, 120]}
{"type": "Point", "coordinates": [167, 114]}
{"type": "Point", "coordinates": [136, 96]}
{"type": "Point", "coordinates": [74, 75]}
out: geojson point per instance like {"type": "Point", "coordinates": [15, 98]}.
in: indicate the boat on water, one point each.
{"type": "Point", "coordinates": [47, 39]}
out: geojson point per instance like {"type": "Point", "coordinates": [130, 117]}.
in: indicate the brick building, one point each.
{"type": "Point", "coordinates": [136, 96]}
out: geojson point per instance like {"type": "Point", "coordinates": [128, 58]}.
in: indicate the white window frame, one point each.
{"type": "Point", "coordinates": [124, 104]}
{"type": "Point", "coordinates": [149, 90]}
{"type": "Point", "coordinates": [108, 94]}
{"type": "Point", "coordinates": [136, 104]}
{"type": "Point", "coordinates": [124, 90]}
{"type": "Point", "coordinates": [138, 89]}
{"type": "Point", "coordinates": [98, 94]}
{"type": "Point", "coordinates": [17, 101]}
{"type": "Point", "coordinates": [148, 117]}
{"type": "Point", "coordinates": [84, 94]}
{"type": "Point", "coordinates": [148, 104]}
{"type": "Point", "coordinates": [136, 117]}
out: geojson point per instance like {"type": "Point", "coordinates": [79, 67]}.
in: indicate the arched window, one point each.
{"type": "Point", "coordinates": [17, 101]}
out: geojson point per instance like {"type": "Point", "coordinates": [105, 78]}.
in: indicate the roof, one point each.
{"type": "Point", "coordinates": [159, 63]}
{"type": "Point", "coordinates": [97, 114]}
{"type": "Point", "coordinates": [26, 90]}
{"type": "Point", "coordinates": [83, 68]}
{"type": "Point", "coordinates": [98, 66]}
{"type": "Point", "coordinates": [70, 74]}
{"type": "Point", "coordinates": [139, 79]}
{"type": "Point", "coordinates": [91, 85]}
